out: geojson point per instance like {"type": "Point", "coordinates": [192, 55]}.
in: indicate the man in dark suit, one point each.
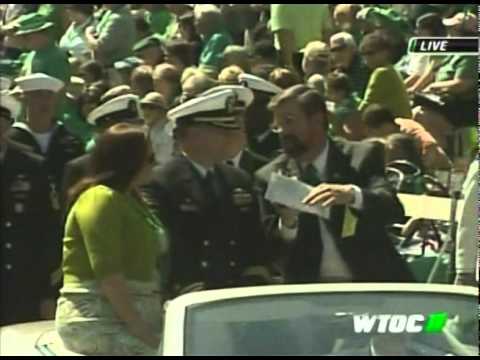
{"type": "Point", "coordinates": [26, 240]}
{"type": "Point", "coordinates": [351, 243]}
{"type": "Point", "coordinates": [208, 207]}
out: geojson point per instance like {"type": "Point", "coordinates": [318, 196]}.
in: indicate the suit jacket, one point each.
{"type": "Point", "coordinates": [75, 170]}
{"type": "Point", "coordinates": [251, 162]}
{"type": "Point", "coordinates": [210, 244]}
{"type": "Point", "coordinates": [63, 147]}
{"type": "Point", "coordinates": [29, 251]}
{"type": "Point", "coordinates": [369, 253]}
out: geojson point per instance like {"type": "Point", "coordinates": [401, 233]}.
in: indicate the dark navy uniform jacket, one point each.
{"type": "Point", "coordinates": [213, 243]}
{"type": "Point", "coordinates": [27, 245]}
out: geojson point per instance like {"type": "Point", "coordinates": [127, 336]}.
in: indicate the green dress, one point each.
{"type": "Point", "coordinates": [108, 232]}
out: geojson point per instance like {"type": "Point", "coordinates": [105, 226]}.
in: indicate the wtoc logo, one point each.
{"type": "Point", "coordinates": [397, 324]}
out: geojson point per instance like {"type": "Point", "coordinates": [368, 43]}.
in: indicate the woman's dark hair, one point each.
{"type": "Point", "coordinates": [183, 50]}
{"type": "Point", "coordinates": [404, 147]}
{"type": "Point", "coordinates": [433, 23]}
{"type": "Point", "coordinates": [94, 69]}
{"type": "Point", "coordinates": [379, 40]}
{"type": "Point", "coordinates": [339, 81]}
{"type": "Point", "coordinates": [376, 115]}
{"type": "Point", "coordinates": [310, 100]}
{"type": "Point", "coordinates": [92, 94]}
{"type": "Point", "coordinates": [85, 9]}
{"type": "Point", "coordinates": [265, 50]}
{"type": "Point", "coordinates": [284, 78]}
{"type": "Point", "coordinates": [119, 155]}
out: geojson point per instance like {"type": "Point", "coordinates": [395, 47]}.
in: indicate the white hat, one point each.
{"type": "Point", "coordinates": [219, 109]}
{"type": "Point", "coordinates": [5, 83]}
{"type": "Point", "coordinates": [9, 106]}
{"type": "Point", "coordinates": [124, 108]}
{"type": "Point", "coordinates": [468, 19]}
{"type": "Point", "coordinates": [341, 40]}
{"type": "Point", "coordinates": [258, 84]}
{"type": "Point", "coordinates": [244, 95]}
{"type": "Point", "coordinates": [36, 82]}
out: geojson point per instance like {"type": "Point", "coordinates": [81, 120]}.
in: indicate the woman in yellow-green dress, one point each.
{"type": "Point", "coordinates": [110, 303]}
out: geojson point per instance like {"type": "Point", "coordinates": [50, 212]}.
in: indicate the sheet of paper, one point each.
{"type": "Point", "coordinates": [290, 192]}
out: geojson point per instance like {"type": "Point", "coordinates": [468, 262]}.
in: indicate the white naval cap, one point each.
{"type": "Point", "coordinates": [9, 106]}
{"type": "Point", "coordinates": [244, 95]}
{"type": "Point", "coordinates": [219, 109]}
{"type": "Point", "coordinates": [258, 84]}
{"type": "Point", "coordinates": [123, 107]}
{"type": "Point", "coordinates": [36, 82]}
{"type": "Point", "coordinates": [5, 83]}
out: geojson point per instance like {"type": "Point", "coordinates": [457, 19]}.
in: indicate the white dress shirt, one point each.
{"type": "Point", "coordinates": [332, 266]}
{"type": "Point", "coordinates": [162, 144]}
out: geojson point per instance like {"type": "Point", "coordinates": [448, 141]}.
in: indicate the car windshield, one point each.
{"type": "Point", "coordinates": [334, 324]}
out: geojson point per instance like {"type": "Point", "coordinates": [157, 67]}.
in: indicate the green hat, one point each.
{"type": "Point", "coordinates": [149, 41]}
{"type": "Point", "coordinates": [31, 23]}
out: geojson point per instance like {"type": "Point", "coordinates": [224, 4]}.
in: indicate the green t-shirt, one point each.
{"type": "Point", "coordinates": [51, 61]}
{"type": "Point", "coordinates": [75, 123]}
{"type": "Point", "coordinates": [387, 88]}
{"type": "Point", "coordinates": [308, 22]}
{"type": "Point", "coordinates": [108, 232]}
{"type": "Point", "coordinates": [457, 67]}
{"type": "Point", "coordinates": [212, 53]}
{"type": "Point", "coordinates": [159, 21]}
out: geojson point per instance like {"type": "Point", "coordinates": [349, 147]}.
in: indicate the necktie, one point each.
{"type": "Point", "coordinates": [310, 176]}
{"type": "Point", "coordinates": [210, 185]}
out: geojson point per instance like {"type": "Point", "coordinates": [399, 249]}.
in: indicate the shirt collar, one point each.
{"type": "Point", "coordinates": [237, 158]}
{"type": "Point", "coordinates": [320, 163]}
{"type": "Point", "coordinates": [202, 170]}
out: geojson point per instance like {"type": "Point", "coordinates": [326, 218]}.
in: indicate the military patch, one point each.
{"type": "Point", "coordinates": [21, 185]}
{"type": "Point", "coordinates": [241, 198]}
{"type": "Point", "coordinates": [188, 206]}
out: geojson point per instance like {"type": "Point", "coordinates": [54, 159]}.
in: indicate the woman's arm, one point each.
{"type": "Point", "coordinates": [115, 289]}
{"type": "Point", "coordinates": [424, 80]}
{"type": "Point", "coordinates": [453, 87]}
{"type": "Point", "coordinates": [99, 215]}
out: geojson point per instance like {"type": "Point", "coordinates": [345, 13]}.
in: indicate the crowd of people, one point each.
{"type": "Point", "coordinates": [138, 141]}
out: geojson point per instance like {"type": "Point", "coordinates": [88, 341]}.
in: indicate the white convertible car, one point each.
{"type": "Point", "coordinates": [319, 319]}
